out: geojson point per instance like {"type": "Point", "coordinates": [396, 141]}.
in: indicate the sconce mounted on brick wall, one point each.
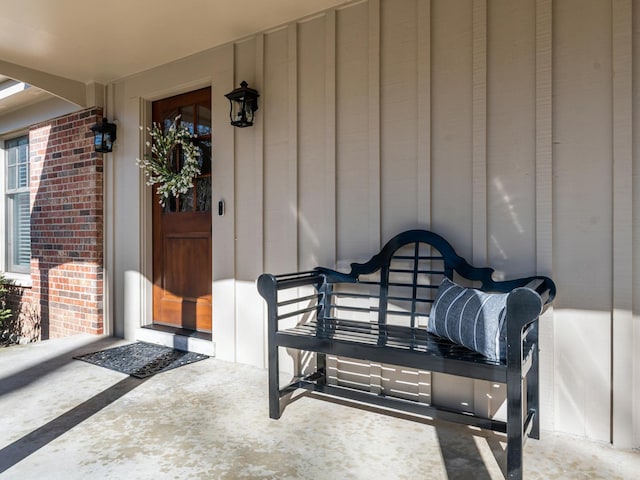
{"type": "Point", "coordinates": [244, 103]}
{"type": "Point", "coordinates": [104, 136]}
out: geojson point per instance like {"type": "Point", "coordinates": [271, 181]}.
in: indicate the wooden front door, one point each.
{"type": "Point", "coordinates": [182, 228]}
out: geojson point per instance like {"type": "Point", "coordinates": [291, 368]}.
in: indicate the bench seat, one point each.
{"type": "Point", "coordinates": [383, 343]}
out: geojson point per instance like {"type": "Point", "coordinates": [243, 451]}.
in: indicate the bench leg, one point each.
{"type": "Point", "coordinates": [274, 384]}
{"type": "Point", "coordinates": [515, 421]}
{"type": "Point", "coordinates": [321, 367]}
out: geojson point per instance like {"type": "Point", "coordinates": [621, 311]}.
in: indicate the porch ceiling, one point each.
{"type": "Point", "coordinates": [96, 41]}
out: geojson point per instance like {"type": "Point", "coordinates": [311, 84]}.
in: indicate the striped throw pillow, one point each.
{"type": "Point", "coordinates": [471, 318]}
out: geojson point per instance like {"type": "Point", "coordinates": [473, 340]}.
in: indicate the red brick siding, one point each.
{"type": "Point", "coordinates": [66, 225]}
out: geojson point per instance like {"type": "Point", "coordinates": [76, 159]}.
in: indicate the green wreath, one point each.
{"type": "Point", "coordinates": [157, 166]}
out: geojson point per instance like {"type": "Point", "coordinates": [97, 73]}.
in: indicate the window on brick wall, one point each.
{"type": "Point", "coordinates": [17, 211]}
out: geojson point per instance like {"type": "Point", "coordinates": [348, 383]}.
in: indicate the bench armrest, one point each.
{"type": "Point", "coordinates": [269, 285]}
{"type": "Point", "coordinates": [542, 285]}
{"type": "Point", "coordinates": [524, 306]}
{"type": "Point", "coordinates": [268, 282]}
{"type": "Point", "coordinates": [333, 276]}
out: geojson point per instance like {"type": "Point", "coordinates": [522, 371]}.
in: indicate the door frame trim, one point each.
{"type": "Point", "coordinates": [146, 225]}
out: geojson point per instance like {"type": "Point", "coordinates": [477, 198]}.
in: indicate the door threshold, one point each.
{"type": "Point", "coordinates": [179, 331]}
{"type": "Point", "coordinates": [178, 338]}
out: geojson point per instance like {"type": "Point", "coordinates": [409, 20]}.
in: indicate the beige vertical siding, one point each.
{"type": "Point", "coordinates": [316, 226]}
{"type": "Point", "coordinates": [248, 199]}
{"type": "Point", "coordinates": [280, 162]}
{"type": "Point", "coordinates": [451, 122]}
{"type": "Point", "coordinates": [635, 357]}
{"type": "Point", "coordinates": [511, 181]}
{"type": "Point", "coordinates": [398, 117]}
{"type": "Point", "coordinates": [582, 160]}
{"type": "Point", "coordinates": [506, 126]}
{"type": "Point", "coordinates": [544, 196]}
{"type": "Point", "coordinates": [353, 220]}
{"type": "Point", "coordinates": [622, 319]}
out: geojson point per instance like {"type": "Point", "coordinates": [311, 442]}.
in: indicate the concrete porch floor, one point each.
{"type": "Point", "coordinates": [67, 419]}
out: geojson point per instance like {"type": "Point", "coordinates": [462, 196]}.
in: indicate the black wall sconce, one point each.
{"type": "Point", "coordinates": [104, 136]}
{"type": "Point", "coordinates": [244, 103]}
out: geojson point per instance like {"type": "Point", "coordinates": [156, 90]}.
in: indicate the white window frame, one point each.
{"type": "Point", "coordinates": [21, 276]}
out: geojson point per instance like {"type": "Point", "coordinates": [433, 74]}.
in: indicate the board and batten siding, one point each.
{"type": "Point", "coordinates": [509, 127]}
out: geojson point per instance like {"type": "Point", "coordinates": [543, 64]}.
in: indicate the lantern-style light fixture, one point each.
{"type": "Point", "coordinates": [104, 136]}
{"type": "Point", "coordinates": [244, 103]}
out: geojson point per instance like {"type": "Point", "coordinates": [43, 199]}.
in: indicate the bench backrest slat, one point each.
{"type": "Point", "coordinates": [399, 284]}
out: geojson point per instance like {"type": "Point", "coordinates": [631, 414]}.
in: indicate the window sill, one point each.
{"type": "Point", "coordinates": [19, 279]}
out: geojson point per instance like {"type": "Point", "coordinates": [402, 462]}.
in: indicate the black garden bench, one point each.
{"type": "Point", "coordinates": [378, 313]}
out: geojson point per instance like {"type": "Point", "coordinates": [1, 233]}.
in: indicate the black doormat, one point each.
{"type": "Point", "coordinates": [141, 359]}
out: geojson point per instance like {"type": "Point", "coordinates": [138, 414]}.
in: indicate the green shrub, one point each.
{"type": "Point", "coordinates": [5, 309]}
